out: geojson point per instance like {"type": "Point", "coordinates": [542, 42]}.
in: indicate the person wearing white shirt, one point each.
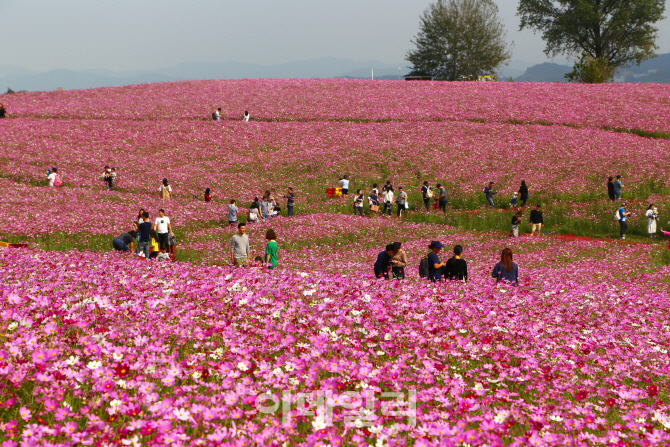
{"type": "Point", "coordinates": [216, 116]}
{"type": "Point", "coordinates": [652, 217]}
{"type": "Point", "coordinates": [163, 228]}
{"type": "Point", "coordinates": [344, 183]}
{"type": "Point", "coordinates": [52, 178]}
{"type": "Point", "coordinates": [388, 197]}
{"type": "Point", "coordinates": [246, 116]}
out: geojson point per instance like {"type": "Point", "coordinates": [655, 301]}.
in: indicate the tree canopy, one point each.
{"type": "Point", "coordinates": [460, 38]}
{"type": "Point", "coordinates": [618, 31]}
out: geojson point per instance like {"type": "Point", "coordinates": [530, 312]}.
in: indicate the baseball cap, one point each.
{"type": "Point", "coordinates": [436, 244]}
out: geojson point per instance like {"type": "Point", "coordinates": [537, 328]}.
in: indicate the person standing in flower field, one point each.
{"type": "Point", "coordinates": [240, 253]}
{"type": "Point", "coordinates": [358, 202]}
{"type": "Point", "coordinates": [401, 201]}
{"type": "Point", "coordinates": [163, 228]}
{"type": "Point", "coordinates": [216, 115]}
{"type": "Point", "coordinates": [2, 111]}
{"type": "Point", "coordinates": [652, 217]}
{"type": "Point", "coordinates": [442, 198]}
{"type": "Point", "coordinates": [488, 191]}
{"type": "Point", "coordinates": [618, 186]}
{"type": "Point", "coordinates": [232, 212]}
{"type": "Point", "coordinates": [513, 202]}
{"type": "Point", "coordinates": [143, 230]}
{"type": "Point", "coordinates": [524, 193]}
{"type": "Point", "coordinates": [388, 198]}
{"type": "Point", "coordinates": [622, 215]}
{"type": "Point", "coordinates": [271, 249]}
{"type": "Point", "coordinates": [165, 189]}
{"type": "Point", "coordinates": [246, 116]}
{"type": "Point", "coordinates": [610, 189]}
{"type": "Point", "coordinates": [427, 194]}
{"type": "Point", "coordinates": [344, 184]}
{"type": "Point", "coordinates": [536, 220]}
{"type": "Point", "coordinates": [114, 176]}
{"type": "Point", "coordinates": [290, 201]}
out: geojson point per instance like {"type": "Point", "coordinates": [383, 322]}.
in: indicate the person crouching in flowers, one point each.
{"type": "Point", "coordinates": [398, 261]}
{"type": "Point", "coordinates": [506, 270]}
{"type": "Point", "coordinates": [435, 267]}
{"type": "Point", "coordinates": [383, 264]}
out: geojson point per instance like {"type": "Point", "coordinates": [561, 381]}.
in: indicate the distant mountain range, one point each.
{"type": "Point", "coordinates": [21, 79]}
{"type": "Point", "coordinates": [654, 70]}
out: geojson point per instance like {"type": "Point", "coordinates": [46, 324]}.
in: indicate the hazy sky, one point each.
{"type": "Point", "coordinates": [145, 34]}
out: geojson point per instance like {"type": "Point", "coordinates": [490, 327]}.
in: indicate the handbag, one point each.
{"type": "Point", "coordinates": [406, 205]}
{"type": "Point", "coordinates": [374, 208]}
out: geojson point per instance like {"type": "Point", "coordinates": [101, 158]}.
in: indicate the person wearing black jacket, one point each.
{"type": "Point", "coordinates": [610, 188]}
{"type": "Point", "coordinates": [523, 193]}
{"type": "Point", "coordinates": [536, 220]}
{"type": "Point", "coordinates": [457, 268]}
{"type": "Point", "coordinates": [383, 263]}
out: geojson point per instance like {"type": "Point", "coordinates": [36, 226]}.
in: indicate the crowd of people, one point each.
{"type": "Point", "coordinates": [392, 261]}
{"type": "Point", "coordinates": [155, 240]}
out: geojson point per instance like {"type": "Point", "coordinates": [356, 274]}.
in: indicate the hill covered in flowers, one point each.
{"type": "Point", "coordinates": [100, 348]}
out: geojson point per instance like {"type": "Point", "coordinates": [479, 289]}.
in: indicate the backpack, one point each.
{"type": "Point", "coordinates": [57, 181]}
{"type": "Point", "coordinates": [617, 216]}
{"type": "Point", "coordinates": [429, 193]}
{"type": "Point", "coordinates": [165, 193]}
{"type": "Point", "coordinates": [424, 267]}
{"type": "Point", "coordinates": [214, 116]}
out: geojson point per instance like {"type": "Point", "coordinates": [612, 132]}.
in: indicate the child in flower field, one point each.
{"type": "Point", "coordinates": [163, 255]}
{"type": "Point", "coordinates": [154, 246]}
{"type": "Point", "coordinates": [513, 201]}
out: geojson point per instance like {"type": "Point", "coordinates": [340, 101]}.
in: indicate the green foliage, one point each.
{"type": "Point", "coordinates": [591, 70]}
{"type": "Point", "coordinates": [618, 31]}
{"type": "Point", "coordinates": [460, 38]}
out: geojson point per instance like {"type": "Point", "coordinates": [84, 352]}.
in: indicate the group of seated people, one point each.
{"type": "Point", "coordinates": [391, 263]}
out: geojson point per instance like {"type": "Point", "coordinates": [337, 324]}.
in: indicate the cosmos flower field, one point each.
{"type": "Point", "coordinates": [104, 349]}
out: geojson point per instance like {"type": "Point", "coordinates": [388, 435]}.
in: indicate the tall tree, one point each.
{"type": "Point", "coordinates": [618, 31]}
{"type": "Point", "coordinates": [460, 38]}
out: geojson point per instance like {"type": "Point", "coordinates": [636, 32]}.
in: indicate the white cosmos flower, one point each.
{"type": "Point", "coordinates": [182, 414]}
{"type": "Point", "coordinates": [93, 365]}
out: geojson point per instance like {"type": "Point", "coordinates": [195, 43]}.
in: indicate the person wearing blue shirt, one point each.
{"type": "Point", "coordinates": [623, 225]}
{"type": "Point", "coordinates": [434, 264]}
{"type": "Point", "coordinates": [489, 193]}
{"type": "Point", "coordinates": [506, 270]}
{"type": "Point", "coordinates": [344, 182]}
{"type": "Point", "coordinates": [383, 263]}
